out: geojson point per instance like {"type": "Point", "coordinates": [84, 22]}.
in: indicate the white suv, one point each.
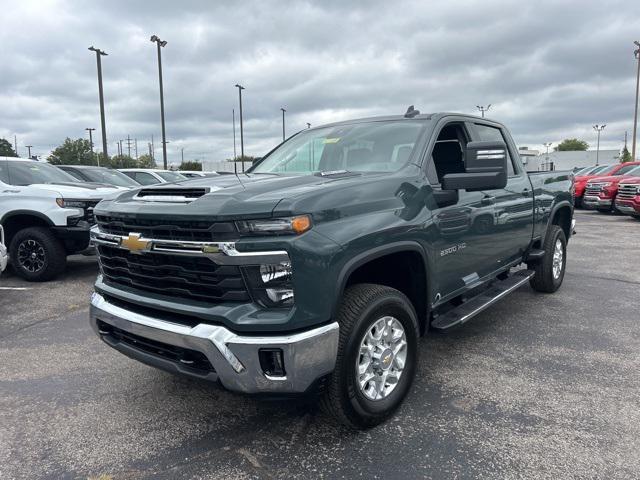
{"type": "Point", "coordinates": [150, 176]}
{"type": "Point", "coordinates": [46, 215]}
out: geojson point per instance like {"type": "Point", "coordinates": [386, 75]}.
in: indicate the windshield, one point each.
{"type": "Point", "coordinates": [626, 169]}
{"type": "Point", "coordinates": [171, 176]}
{"type": "Point", "coordinates": [603, 170]}
{"type": "Point", "coordinates": [360, 147]}
{"type": "Point", "coordinates": [111, 177]}
{"type": "Point", "coordinates": [28, 173]}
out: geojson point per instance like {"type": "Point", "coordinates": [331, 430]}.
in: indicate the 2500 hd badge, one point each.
{"type": "Point", "coordinates": [452, 249]}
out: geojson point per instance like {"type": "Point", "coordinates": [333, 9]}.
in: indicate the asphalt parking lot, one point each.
{"type": "Point", "coordinates": [539, 386]}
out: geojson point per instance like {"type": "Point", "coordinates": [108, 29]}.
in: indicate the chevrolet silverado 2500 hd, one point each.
{"type": "Point", "coordinates": [318, 270]}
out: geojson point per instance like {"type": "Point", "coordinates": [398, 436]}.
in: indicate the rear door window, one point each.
{"type": "Point", "coordinates": [145, 178]}
{"type": "Point", "coordinates": [4, 172]}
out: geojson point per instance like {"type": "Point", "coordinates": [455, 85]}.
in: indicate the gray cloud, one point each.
{"type": "Point", "coordinates": [551, 69]}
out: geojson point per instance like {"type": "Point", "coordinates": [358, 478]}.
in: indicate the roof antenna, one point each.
{"type": "Point", "coordinates": [411, 112]}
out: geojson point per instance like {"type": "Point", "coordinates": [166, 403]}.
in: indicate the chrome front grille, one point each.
{"type": "Point", "coordinates": [628, 192]}
{"type": "Point", "coordinates": [593, 189]}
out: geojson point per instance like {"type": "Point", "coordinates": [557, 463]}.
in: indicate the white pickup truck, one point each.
{"type": "Point", "coordinates": [46, 215]}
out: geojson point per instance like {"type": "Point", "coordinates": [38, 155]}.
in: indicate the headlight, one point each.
{"type": "Point", "coordinates": [70, 203]}
{"type": "Point", "coordinates": [271, 284]}
{"type": "Point", "coordinates": [298, 225]}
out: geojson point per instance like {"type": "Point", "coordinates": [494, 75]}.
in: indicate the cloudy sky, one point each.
{"type": "Point", "coordinates": [550, 69]}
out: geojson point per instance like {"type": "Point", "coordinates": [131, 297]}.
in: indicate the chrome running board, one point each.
{"type": "Point", "coordinates": [480, 302]}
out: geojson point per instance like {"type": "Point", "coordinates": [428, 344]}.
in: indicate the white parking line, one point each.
{"type": "Point", "coordinates": [15, 288]}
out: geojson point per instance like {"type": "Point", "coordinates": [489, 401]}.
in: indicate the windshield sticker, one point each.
{"type": "Point", "coordinates": [331, 140]}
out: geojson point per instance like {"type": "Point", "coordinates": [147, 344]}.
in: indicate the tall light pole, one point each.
{"type": "Point", "coordinates": [635, 115]}
{"type": "Point", "coordinates": [483, 109]}
{"type": "Point", "coordinates": [283, 135]}
{"type": "Point", "coordinates": [547, 145]}
{"type": "Point", "coordinates": [240, 88]}
{"type": "Point", "coordinates": [308, 125]}
{"type": "Point", "coordinates": [161, 43]}
{"type": "Point", "coordinates": [90, 130]}
{"type": "Point", "coordinates": [598, 128]}
{"type": "Point", "coordinates": [99, 54]}
{"type": "Point", "coordinates": [29, 150]}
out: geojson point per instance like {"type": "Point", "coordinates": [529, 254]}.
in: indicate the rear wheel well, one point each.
{"type": "Point", "coordinates": [15, 223]}
{"type": "Point", "coordinates": [404, 271]}
{"type": "Point", "coordinates": [562, 218]}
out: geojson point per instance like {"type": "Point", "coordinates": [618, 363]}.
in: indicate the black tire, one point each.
{"type": "Point", "coordinates": [545, 280]}
{"type": "Point", "coordinates": [361, 307]}
{"type": "Point", "coordinates": [51, 256]}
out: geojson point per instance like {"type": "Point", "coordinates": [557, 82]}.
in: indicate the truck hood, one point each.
{"type": "Point", "coordinates": [630, 180]}
{"type": "Point", "coordinates": [231, 197]}
{"type": "Point", "coordinates": [85, 191]}
{"type": "Point", "coordinates": [614, 179]}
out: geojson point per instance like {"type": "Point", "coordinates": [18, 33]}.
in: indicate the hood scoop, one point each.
{"type": "Point", "coordinates": [172, 194]}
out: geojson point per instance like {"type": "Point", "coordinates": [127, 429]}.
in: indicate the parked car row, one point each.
{"type": "Point", "coordinates": [46, 211]}
{"type": "Point", "coordinates": [609, 188]}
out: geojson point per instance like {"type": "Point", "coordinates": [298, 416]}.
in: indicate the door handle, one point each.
{"type": "Point", "coordinates": [488, 200]}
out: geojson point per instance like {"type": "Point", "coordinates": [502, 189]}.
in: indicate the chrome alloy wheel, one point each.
{"type": "Point", "coordinates": [382, 357]}
{"type": "Point", "coordinates": [31, 255]}
{"type": "Point", "coordinates": [558, 258]}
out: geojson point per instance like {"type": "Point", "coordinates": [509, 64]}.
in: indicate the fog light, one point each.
{"type": "Point", "coordinates": [272, 362]}
{"type": "Point", "coordinates": [271, 284]}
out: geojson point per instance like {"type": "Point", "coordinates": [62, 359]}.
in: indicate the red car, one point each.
{"type": "Point", "coordinates": [600, 192]}
{"type": "Point", "coordinates": [601, 171]}
{"type": "Point", "coordinates": [628, 199]}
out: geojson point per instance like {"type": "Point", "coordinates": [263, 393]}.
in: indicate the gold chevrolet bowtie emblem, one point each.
{"type": "Point", "coordinates": [134, 244]}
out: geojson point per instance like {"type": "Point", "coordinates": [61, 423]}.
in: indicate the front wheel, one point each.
{"type": "Point", "coordinates": [36, 254]}
{"type": "Point", "coordinates": [377, 356]}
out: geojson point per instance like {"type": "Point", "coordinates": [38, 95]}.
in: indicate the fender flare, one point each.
{"type": "Point", "coordinates": [554, 211]}
{"type": "Point", "coordinates": [31, 213]}
{"type": "Point", "coordinates": [372, 254]}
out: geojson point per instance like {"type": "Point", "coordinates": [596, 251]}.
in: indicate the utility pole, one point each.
{"type": "Point", "coordinates": [153, 149]}
{"type": "Point", "coordinates": [635, 114]}
{"type": "Point", "coordinates": [182, 155]}
{"type": "Point", "coordinates": [135, 142]}
{"type": "Point", "coordinates": [240, 88]}
{"type": "Point", "coordinates": [161, 43]}
{"type": "Point", "coordinates": [15, 145]}
{"type": "Point", "coordinates": [121, 149]}
{"type": "Point", "coordinates": [283, 135]}
{"type": "Point", "coordinates": [483, 109]}
{"type": "Point", "coordinates": [128, 146]}
{"type": "Point", "coordinates": [99, 54]}
{"type": "Point", "coordinates": [598, 128]}
{"type": "Point", "coordinates": [90, 130]}
{"type": "Point", "coordinates": [149, 145]}
{"type": "Point", "coordinates": [29, 150]}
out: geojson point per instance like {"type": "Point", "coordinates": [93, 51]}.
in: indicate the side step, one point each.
{"type": "Point", "coordinates": [477, 304]}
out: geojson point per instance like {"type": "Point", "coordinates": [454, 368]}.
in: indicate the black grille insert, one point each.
{"type": "Point", "coordinates": [183, 356]}
{"type": "Point", "coordinates": [190, 277]}
{"type": "Point", "coordinates": [166, 229]}
{"type": "Point", "coordinates": [172, 192]}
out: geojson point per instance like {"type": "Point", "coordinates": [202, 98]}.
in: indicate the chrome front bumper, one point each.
{"type": "Point", "coordinates": [626, 208]}
{"type": "Point", "coordinates": [307, 355]}
{"type": "Point", "coordinates": [593, 201]}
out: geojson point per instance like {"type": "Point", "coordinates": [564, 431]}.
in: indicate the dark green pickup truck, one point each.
{"type": "Point", "coordinates": [318, 270]}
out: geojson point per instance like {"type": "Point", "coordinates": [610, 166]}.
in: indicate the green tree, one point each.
{"type": "Point", "coordinates": [122, 161]}
{"type": "Point", "coordinates": [145, 161]}
{"type": "Point", "coordinates": [571, 144]}
{"type": "Point", "coordinates": [625, 156]}
{"type": "Point", "coordinates": [6, 150]}
{"type": "Point", "coordinates": [239, 158]}
{"type": "Point", "coordinates": [73, 152]}
{"type": "Point", "coordinates": [191, 165]}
